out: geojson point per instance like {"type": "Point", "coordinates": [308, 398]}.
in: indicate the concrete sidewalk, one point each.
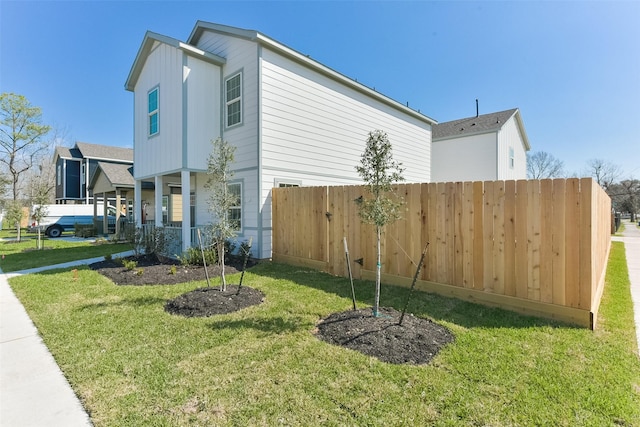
{"type": "Point", "coordinates": [33, 389]}
{"type": "Point", "coordinates": [631, 239]}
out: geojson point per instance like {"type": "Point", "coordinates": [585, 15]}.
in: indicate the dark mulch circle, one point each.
{"type": "Point", "coordinates": [416, 341]}
{"type": "Point", "coordinates": [151, 270]}
{"type": "Point", "coordinates": [204, 302]}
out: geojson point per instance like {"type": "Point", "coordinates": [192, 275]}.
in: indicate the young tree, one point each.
{"type": "Point", "coordinates": [379, 171]}
{"type": "Point", "coordinates": [13, 215]}
{"type": "Point", "coordinates": [221, 200]}
{"type": "Point", "coordinates": [541, 165]}
{"type": "Point", "coordinates": [21, 136]}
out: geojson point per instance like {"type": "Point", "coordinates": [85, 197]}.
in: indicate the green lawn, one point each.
{"type": "Point", "coordinates": [21, 255]}
{"type": "Point", "coordinates": [133, 364]}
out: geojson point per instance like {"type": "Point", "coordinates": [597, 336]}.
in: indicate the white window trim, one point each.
{"type": "Point", "coordinates": [229, 102]}
{"type": "Point", "coordinates": [151, 113]}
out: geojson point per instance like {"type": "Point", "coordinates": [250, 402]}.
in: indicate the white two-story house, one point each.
{"type": "Point", "coordinates": [486, 147]}
{"type": "Point", "coordinates": [293, 121]}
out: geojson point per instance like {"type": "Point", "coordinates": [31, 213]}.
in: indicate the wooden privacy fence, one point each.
{"type": "Point", "coordinates": [538, 247]}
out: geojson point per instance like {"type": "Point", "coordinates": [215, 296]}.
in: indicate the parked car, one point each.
{"type": "Point", "coordinates": [59, 218]}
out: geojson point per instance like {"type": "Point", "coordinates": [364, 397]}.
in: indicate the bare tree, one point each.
{"type": "Point", "coordinates": [625, 196]}
{"type": "Point", "coordinates": [605, 173]}
{"type": "Point", "coordinates": [21, 137]}
{"type": "Point", "coordinates": [541, 165]}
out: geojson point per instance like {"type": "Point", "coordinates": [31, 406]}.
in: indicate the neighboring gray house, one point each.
{"type": "Point", "coordinates": [76, 166]}
{"type": "Point", "coordinates": [293, 120]}
{"type": "Point", "coordinates": [482, 148]}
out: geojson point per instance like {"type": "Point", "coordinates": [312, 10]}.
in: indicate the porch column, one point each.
{"type": "Point", "coordinates": [118, 208]}
{"type": "Point", "coordinates": [158, 201]}
{"type": "Point", "coordinates": [137, 203]}
{"type": "Point", "coordinates": [186, 210]}
{"type": "Point", "coordinates": [105, 218]}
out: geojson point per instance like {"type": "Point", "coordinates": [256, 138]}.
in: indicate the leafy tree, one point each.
{"type": "Point", "coordinates": [605, 173]}
{"type": "Point", "coordinates": [541, 165]}
{"type": "Point", "coordinates": [220, 199]}
{"type": "Point", "coordinates": [21, 136]}
{"type": "Point", "coordinates": [625, 196]}
{"type": "Point", "coordinates": [379, 171]}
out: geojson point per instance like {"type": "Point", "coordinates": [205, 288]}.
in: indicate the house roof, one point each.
{"type": "Point", "coordinates": [117, 175]}
{"type": "Point", "coordinates": [148, 43]}
{"type": "Point", "coordinates": [484, 123]}
{"type": "Point", "coordinates": [105, 152]}
{"type": "Point", "coordinates": [201, 27]}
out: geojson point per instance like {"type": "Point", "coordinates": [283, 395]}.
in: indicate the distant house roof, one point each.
{"type": "Point", "coordinates": [483, 123]}
{"type": "Point", "coordinates": [118, 175]}
{"type": "Point", "coordinates": [105, 152]}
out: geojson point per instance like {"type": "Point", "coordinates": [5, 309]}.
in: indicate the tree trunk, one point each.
{"type": "Point", "coordinates": [378, 266]}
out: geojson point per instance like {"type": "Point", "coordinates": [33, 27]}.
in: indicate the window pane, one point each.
{"type": "Point", "coordinates": [233, 113]}
{"type": "Point", "coordinates": [153, 100]}
{"type": "Point", "coordinates": [153, 124]}
{"type": "Point", "coordinates": [233, 88]}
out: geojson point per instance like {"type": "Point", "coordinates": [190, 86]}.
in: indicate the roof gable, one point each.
{"type": "Point", "coordinates": [149, 41]}
{"type": "Point", "coordinates": [109, 176]}
{"type": "Point", "coordinates": [485, 123]}
{"type": "Point", "coordinates": [105, 152]}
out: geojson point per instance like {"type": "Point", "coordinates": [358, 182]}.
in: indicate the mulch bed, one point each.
{"type": "Point", "coordinates": [416, 341]}
{"type": "Point", "coordinates": [204, 302]}
{"type": "Point", "coordinates": [155, 271]}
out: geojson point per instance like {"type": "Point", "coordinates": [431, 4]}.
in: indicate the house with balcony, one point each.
{"type": "Point", "coordinates": [76, 167]}
{"type": "Point", "coordinates": [293, 120]}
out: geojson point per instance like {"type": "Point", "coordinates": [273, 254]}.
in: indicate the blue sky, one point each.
{"type": "Point", "coordinates": [573, 68]}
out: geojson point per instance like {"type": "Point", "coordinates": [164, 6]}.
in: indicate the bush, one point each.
{"type": "Point", "coordinates": [129, 264]}
{"type": "Point", "coordinates": [85, 230]}
{"type": "Point", "coordinates": [193, 256]}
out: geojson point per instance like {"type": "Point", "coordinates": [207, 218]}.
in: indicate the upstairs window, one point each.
{"type": "Point", "coordinates": [512, 158]}
{"type": "Point", "coordinates": [233, 99]}
{"type": "Point", "coordinates": [154, 125]}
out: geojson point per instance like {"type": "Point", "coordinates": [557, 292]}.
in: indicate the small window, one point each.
{"type": "Point", "coordinates": [233, 99]}
{"type": "Point", "coordinates": [235, 211]}
{"type": "Point", "coordinates": [153, 106]}
{"type": "Point", "coordinates": [82, 174]}
{"type": "Point", "coordinates": [512, 158]}
{"type": "Point", "coordinates": [59, 175]}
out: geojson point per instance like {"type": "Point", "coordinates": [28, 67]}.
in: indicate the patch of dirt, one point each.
{"type": "Point", "coordinates": [204, 302]}
{"type": "Point", "coordinates": [153, 271]}
{"type": "Point", "coordinates": [416, 341]}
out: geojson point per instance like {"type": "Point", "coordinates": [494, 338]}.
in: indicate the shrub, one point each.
{"type": "Point", "coordinates": [108, 257]}
{"type": "Point", "coordinates": [193, 256]}
{"type": "Point", "coordinates": [173, 269]}
{"type": "Point", "coordinates": [130, 264]}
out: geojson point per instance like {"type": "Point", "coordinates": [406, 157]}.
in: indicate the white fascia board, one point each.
{"type": "Point", "coordinates": [147, 46]}
{"type": "Point", "coordinates": [523, 132]}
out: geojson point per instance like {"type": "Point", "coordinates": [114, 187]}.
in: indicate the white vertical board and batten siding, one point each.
{"type": "Point", "coordinates": [162, 152]}
{"type": "Point", "coordinates": [510, 136]}
{"type": "Point", "coordinates": [470, 158]}
{"type": "Point", "coordinates": [241, 56]}
{"type": "Point", "coordinates": [203, 125]}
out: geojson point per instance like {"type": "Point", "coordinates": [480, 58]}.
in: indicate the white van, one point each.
{"type": "Point", "coordinates": [59, 218]}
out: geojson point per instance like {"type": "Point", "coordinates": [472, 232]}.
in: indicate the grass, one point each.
{"type": "Point", "coordinates": [133, 364]}
{"type": "Point", "coordinates": [22, 255]}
